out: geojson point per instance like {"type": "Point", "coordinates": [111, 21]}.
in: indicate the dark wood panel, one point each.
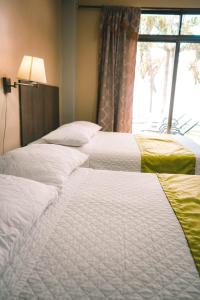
{"type": "Point", "coordinates": [39, 111]}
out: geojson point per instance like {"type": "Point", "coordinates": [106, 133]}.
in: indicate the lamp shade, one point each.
{"type": "Point", "coordinates": [32, 69]}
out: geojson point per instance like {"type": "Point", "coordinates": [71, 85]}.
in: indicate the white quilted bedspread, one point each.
{"type": "Point", "coordinates": [113, 151]}
{"type": "Point", "coordinates": [119, 151]}
{"type": "Point", "coordinates": [112, 235]}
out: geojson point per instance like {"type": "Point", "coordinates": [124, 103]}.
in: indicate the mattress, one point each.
{"type": "Point", "coordinates": [106, 238]}
{"type": "Point", "coordinates": [119, 151]}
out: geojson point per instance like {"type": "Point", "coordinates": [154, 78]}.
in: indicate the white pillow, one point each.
{"type": "Point", "coordinates": [73, 134]}
{"type": "Point", "coordinates": [22, 202]}
{"type": "Point", "coordinates": [50, 164]}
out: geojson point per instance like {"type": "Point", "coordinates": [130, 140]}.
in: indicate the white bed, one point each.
{"type": "Point", "coordinates": [105, 238]}
{"type": "Point", "coordinates": [108, 150]}
{"type": "Point", "coordinates": [119, 151]}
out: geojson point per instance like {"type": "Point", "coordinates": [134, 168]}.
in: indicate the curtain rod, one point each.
{"type": "Point", "coordinates": [194, 10]}
{"type": "Point", "coordinates": [100, 6]}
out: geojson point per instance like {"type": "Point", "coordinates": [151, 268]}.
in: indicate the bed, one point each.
{"type": "Point", "coordinates": [120, 151]}
{"type": "Point", "coordinates": [102, 237]}
{"type": "Point", "coordinates": [107, 150]}
{"type": "Point", "coordinates": [154, 153]}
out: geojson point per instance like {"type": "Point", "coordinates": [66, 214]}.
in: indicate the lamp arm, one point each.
{"type": "Point", "coordinates": [32, 83]}
{"type": "Point", "coordinates": [7, 84]}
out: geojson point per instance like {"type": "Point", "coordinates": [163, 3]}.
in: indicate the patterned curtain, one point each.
{"type": "Point", "coordinates": [118, 42]}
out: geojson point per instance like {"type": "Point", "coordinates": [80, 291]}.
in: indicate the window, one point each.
{"type": "Point", "coordinates": [167, 81]}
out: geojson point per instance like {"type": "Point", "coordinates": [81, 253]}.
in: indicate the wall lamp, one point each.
{"type": "Point", "coordinates": [31, 69]}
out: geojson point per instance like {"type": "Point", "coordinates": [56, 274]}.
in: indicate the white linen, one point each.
{"type": "Point", "coordinates": [112, 235]}
{"type": "Point", "coordinates": [50, 164]}
{"type": "Point", "coordinates": [113, 151]}
{"type": "Point", "coordinates": [22, 202]}
{"type": "Point", "coordinates": [119, 151]}
{"type": "Point", "coordinates": [73, 134]}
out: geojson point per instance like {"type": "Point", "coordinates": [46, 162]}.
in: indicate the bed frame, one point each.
{"type": "Point", "coordinates": [39, 111]}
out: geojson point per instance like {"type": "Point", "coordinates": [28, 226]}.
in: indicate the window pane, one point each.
{"type": "Point", "coordinates": [159, 24]}
{"type": "Point", "coordinates": [187, 96]}
{"type": "Point", "coordinates": [152, 86]}
{"type": "Point", "coordinates": [191, 25]}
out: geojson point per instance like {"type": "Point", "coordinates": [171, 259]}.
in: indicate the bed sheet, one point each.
{"type": "Point", "coordinates": [119, 151]}
{"type": "Point", "coordinates": [112, 235]}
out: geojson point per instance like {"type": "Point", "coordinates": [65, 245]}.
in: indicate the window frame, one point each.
{"type": "Point", "coordinates": [177, 39]}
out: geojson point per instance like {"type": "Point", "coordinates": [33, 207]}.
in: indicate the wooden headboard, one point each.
{"type": "Point", "coordinates": [39, 111]}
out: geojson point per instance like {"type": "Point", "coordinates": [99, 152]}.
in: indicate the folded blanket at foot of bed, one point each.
{"type": "Point", "coordinates": [163, 154]}
{"type": "Point", "coordinates": [183, 193]}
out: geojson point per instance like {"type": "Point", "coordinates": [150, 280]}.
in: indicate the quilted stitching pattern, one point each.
{"type": "Point", "coordinates": [110, 242]}
{"type": "Point", "coordinates": [113, 151]}
{"type": "Point", "coordinates": [119, 151]}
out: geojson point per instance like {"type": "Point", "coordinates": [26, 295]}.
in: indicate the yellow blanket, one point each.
{"type": "Point", "coordinates": [163, 154]}
{"type": "Point", "coordinates": [183, 193]}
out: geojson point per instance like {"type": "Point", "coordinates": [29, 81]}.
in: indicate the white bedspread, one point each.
{"type": "Point", "coordinates": [113, 151]}
{"type": "Point", "coordinates": [112, 235]}
{"type": "Point", "coordinates": [119, 151]}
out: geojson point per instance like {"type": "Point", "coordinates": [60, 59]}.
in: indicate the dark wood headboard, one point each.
{"type": "Point", "coordinates": [39, 111]}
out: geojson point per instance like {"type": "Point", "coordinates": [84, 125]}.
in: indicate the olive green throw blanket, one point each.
{"type": "Point", "coordinates": [163, 154]}
{"type": "Point", "coordinates": [183, 193]}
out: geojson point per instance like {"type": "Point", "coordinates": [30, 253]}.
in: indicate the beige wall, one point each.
{"type": "Point", "coordinates": [87, 49]}
{"type": "Point", "coordinates": [87, 60]}
{"type": "Point", "coordinates": [28, 27]}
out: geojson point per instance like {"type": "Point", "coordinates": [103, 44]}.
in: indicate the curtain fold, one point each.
{"type": "Point", "coordinates": [118, 43]}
